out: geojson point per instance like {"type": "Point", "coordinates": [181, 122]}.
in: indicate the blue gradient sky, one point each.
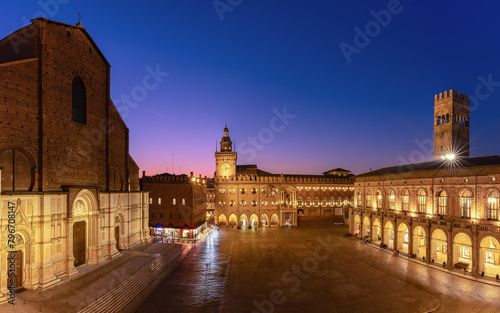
{"type": "Point", "coordinates": [266, 55]}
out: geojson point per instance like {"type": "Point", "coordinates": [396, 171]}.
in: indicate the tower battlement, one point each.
{"type": "Point", "coordinates": [452, 95]}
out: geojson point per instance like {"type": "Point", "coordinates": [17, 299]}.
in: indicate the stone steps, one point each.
{"type": "Point", "coordinates": [119, 297]}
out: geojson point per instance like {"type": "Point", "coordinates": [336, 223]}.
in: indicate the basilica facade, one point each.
{"type": "Point", "coordinates": [444, 211]}
{"type": "Point", "coordinates": [70, 191]}
{"type": "Point", "coordinates": [247, 196]}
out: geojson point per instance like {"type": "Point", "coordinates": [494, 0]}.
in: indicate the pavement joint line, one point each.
{"type": "Point", "coordinates": [118, 293]}
{"type": "Point", "coordinates": [436, 267]}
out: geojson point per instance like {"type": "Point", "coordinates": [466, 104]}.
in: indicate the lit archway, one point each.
{"type": "Point", "coordinates": [264, 220]}
{"type": "Point", "coordinates": [357, 225]}
{"type": "Point", "coordinates": [389, 235]}
{"type": "Point", "coordinates": [419, 242]}
{"type": "Point", "coordinates": [365, 231]}
{"type": "Point", "coordinates": [254, 220]}
{"type": "Point", "coordinates": [233, 220]}
{"type": "Point", "coordinates": [376, 238]}
{"type": "Point", "coordinates": [489, 261]}
{"type": "Point", "coordinates": [222, 220]}
{"type": "Point", "coordinates": [462, 250]}
{"type": "Point", "coordinates": [274, 220]}
{"type": "Point", "coordinates": [243, 220]}
{"type": "Point", "coordinates": [439, 246]}
{"type": "Point", "coordinates": [403, 238]}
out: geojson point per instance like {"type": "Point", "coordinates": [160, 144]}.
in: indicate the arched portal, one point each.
{"type": "Point", "coordinates": [233, 220]}
{"type": "Point", "coordinates": [365, 231]}
{"type": "Point", "coordinates": [243, 220]}
{"type": "Point", "coordinates": [439, 246]}
{"type": "Point", "coordinates": [264, 220]}
{"type": "Point", "coordinates": [419, 242]}
{"type": "Point", "coordinates": [274, 220]}
{"type": "Point", "coordinates": [389, 235]}
{"type": "Point", "coordinates": [376, 231]}
{"type": "Point", "coordinates": [489, 261]}
{"type": "Point", "coordinates": [254, 220]}
{"type": "Point", "coordinates": [84, 205]}
{"type": "Point", "coordinates": [462, 250]}
{"type": "Point", "coordinates": [403, 238]}
{"type": "Point", "coordinates": [357, 225]}
{"type": "Point", "coordinates": [222, 220]}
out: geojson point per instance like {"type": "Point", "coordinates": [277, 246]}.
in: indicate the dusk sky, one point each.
{"type": "Point", "coordinates": [241, 61]}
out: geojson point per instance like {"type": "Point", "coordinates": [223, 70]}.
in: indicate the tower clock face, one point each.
{"type": "Point", "coordinates": [226, 169]}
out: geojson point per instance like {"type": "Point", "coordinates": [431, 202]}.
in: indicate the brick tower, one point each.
{"type": "Point", "coordinates": [451, 124]}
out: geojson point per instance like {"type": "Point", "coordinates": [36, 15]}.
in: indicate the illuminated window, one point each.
{"type": "Point", "coordinates": [360, 201]}
{"type": "Point", "coordinates": [442, 203]}
{"type": "Point", "coordinates": [406, 236]}
{"type": "Point", "coordinates": [264, 191]}
{"type": "Point", "coordinates": [308, 202]}
{"type": "Point", "coordinates": [445, 247]}
{"type": "Point", "coordinates": [392, 200]}
{"type": "Point", "coordinates": [299, 201]}
{"type": "Point", "coordinates": [264, 203]}
{"type": "Point", "coordinates": [379, 200]}
{"type": "Point", "coordinates": [159, 200]}
{"type": "Point", "coordinates": [183, 201]}
{"type": "Point", "coordinates": [243, 203]}
{"type": "Point", "coordinates": [221, 191]}
{"type": "Point", "coordinates": [221, 203]}
{"type": "Point", "coordinates": [323, 202]}
{"type": "Point", "coordinates": [490, 257]}
{"type": "Point", "coordinates": [332, 201]}
{"type": "Point", "coordinates": [369, 199]}
{"type": "Point", "coordinates": [406, 201]}
{"type": "Point", "coordinates": [316, 201]}
{"type": "Point", "coordinates": [422, 201]}
{"type": "Point", "coordinates": [493, 199]}
{"type": "Point", "coordinates": [465, 203]}
{"type": "Point", "coordinates": [254, 203]}
{"type": "Point", "coordinates": [465, 252]}
{"type": "Point", "coordinates": [231, 203]}
{"type": "Point", "coordinates": [150, 200]}
{"type": "Point", "coordinates": [231, 191]}
{"type": "Point", "coordinates": [174, 201]}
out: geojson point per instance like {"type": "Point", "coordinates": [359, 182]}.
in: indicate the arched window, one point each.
{"type": "Point", "coordinates": [493, 199]}
{"type": "Point", "coordinates": [116, 183]}
{"type": "Point", "coordinates": [406, 201]}
{"type": "Point", "coordinates": [183, 201]}
{"type": "Point", "coordinates": [422, 201]}
{"type": "Point", "coordinates": [79, 101]}
{"type": "Point", "coordinates": [174, 201]}
{"type": "Point", "coordinates": [465, 203]}
{"type": "Point", "coordinates": [332, 201]}
{"type": "Point", "coordinates": [316, 201]}
{"type": "Point", "coordinates": [369, 199]}
{"type": "Point", "coordinates": [308, 201]}
{"type": "Point", "coordinates": [243, 191]}
{"type": "Point", "coordinates": [254, 191]}
{"type": "Point", "coordinates": [299, 201]}
{"type": "Point", "coordinates": [323, 202]}
{"type": "Point", "coordinates": [339, 200]}
{"type": "Point", "coordinates": [392, 200]}
{"type": "Point", "coordinates": [360, 199]}
{"type": "Point", "coordinates": [17, 172]}
{"type": "Point", "coordinates": [442, 203]}
{"type": "Point", "coordinates": [243, 203]}
{"type": "Point", "coordinates": [159, 200]}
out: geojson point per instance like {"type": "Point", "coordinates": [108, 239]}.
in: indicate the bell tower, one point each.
{"type": "Point", "coordinates": [225, 159]}
{"type": "Point", "coordinates": [451, 124]}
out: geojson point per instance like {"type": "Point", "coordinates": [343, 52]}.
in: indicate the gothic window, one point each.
{"type": "Point", "coordinates": [406, 201]}
{"type": "Point", "coordinates": [79, 101]}
{"type": "Point", "coordinates": [392, 200]}
{"type": "Point", "coordinates": [442, 202]}
{"type": "Point", "coordinates": [493, 199]}
{"type": "Point", "coordinates": [422, 201]}
{"type": "Point", "coordinates": [299, 201]}
{"type": "Point", "coordinates": [465, 203]}
{"type": "Point", "coordinates": [17, 171]}
{"type": "Point", "coordinates": [316, 201]}
{"type": "Point", "coordinates": [308, 201]}
{"type": "Point", "coordinates": [369, 199]}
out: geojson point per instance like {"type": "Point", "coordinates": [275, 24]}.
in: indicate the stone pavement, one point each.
{"type": "Point", "coordinates": [93, 282]}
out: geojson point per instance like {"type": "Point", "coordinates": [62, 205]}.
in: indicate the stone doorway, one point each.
{"type": "Point", "coordinates": [79, 243]}
{"type": "Point", "coordinates": [15, 262]}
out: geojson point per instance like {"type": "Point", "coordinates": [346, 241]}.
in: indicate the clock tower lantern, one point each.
{"type": "Point", "coordinates": [225, 160]}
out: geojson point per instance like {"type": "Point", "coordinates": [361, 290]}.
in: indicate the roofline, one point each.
{"type": "Point", "coordinates": [46, 20]}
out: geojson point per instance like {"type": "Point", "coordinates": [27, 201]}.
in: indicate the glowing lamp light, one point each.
{"type": "Point", "coordinates": [194, 179]}
{"type": "Point", "coordinates": [449, 157]}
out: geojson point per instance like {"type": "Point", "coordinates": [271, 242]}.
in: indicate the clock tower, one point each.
{"type": "Point", "coordinates": [225, 160]}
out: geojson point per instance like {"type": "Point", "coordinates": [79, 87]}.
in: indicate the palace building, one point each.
{"type": "Point", "coordinates": [177, 205]}
{"type": "Point", "coordinates": [69, 189]}
{"type": "Point", "coordinates": [444, 211]}
{"type": "Point", "coordinates": [248, 196]}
